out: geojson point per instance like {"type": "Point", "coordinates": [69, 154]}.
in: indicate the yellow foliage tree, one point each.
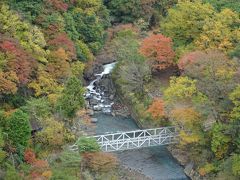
{"type": "Point", "coordinates": [189, 122]}
{"type": "Point", "coordinates": [220, 32]}
{"type": "Point", "coordinates": [45, 84]}
{"type": "Point", "coordinates": [52, 134]}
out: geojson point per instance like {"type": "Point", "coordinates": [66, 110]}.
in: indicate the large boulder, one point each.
{"type": "Point", "coordinates": [91, 70]}
{"type": "Point", "coordinates": [97, 108]}
{"type": "Point", "coordinates": [94, 120]}
{"type": "Point", "coordinates": [111, 97]}
{"type": "Point", "coordinates": [106, 85]}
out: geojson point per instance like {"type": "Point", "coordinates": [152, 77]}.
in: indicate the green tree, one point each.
{"type": "Point", "coordinates": [234, 97]}
{"type": "Point", "coordinates": [37, 109]}
{"type": "Point", "coordinates": [132, 72]}
{"type": "Point", "coordinates": [18, 128]}
{"type": "Point", "coordinates": [70, 159]}
{"type": "Point", "coordinates": [185, 21]}
{"type": "Point", "coordinates": [77, 69]}
{"type": "Point", "coordinates": [223, 4]}
{"type": "Point", "coordinates": [129, 11]}
{"type": "Point", "coordinates": [236, 164]}
{"type": "Point", "coordinates": [220, 140]}
{"type": "Point", "coordinates": [131, 76]}
{"type": "Point", "coordinates": [72, 97]}
{"type": "Point", "coordinates": [2, 152]}
{"type": "Point", "coordinates": [87, 145]}
{"type": "Point", "coordinates": [83, 51]}
{"type": "Point", "coordinates": [11, 173]}
{"type": "Point", "coordinates": [30, 9]}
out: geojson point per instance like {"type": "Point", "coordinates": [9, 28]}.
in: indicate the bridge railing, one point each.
{"type": "Point", "coordinates": [137, 139]}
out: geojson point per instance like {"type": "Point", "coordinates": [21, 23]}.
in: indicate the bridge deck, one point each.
{"type": "Point", "coordinates": [136, 139]}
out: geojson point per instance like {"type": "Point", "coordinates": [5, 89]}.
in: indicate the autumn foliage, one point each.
{"type": "Point", "coordinates": [58, 5]}
{"type": "Point", "coordinates": [19, 61]}
{"type": "Point", "coordinates": [188, 120]}
{"type": "Point", "coordinates": [61, 40]}
{"type": "Point", "coordinates": [158, 49]}
{"type": "Point", "coordinates": [29, 156]}
{"type": "Point", "coordinates": [189, 58]}
{"type": "Point", "coordinates": [58, 65]}
{"type": "Point", "coordinates": [100, 161]}
{"type": "Point", "coordinates": [8, 82]}
{"type": "Point", "coordinates": [156, 109]}
{"type": "Point", "coordinates": [39, 168]}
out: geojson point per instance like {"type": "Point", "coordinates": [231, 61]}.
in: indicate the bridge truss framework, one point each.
{"type": "Point", "coordinates": [136, 139]}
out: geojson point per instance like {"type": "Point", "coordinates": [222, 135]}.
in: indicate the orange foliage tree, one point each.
{"type": "Point", "coordinates": [58, 65]}
{"type": "Point", "coordinates": [100, 161]}
{"type": "Point", "coordinates": [158, 49]}
{"type": "Point", "coordinates": [39, 168]}
{"type": "Point", "coordinates": [29, 156]}
{"type": "Point", "coordinates": [8, 82]}
{"type": "Point", "coordinates": [156, 109]}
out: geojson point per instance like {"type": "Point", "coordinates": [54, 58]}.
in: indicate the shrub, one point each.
{"type": "Point", "coordinates": [100, 162]}
{"type": "Point", "coordinates": [87, 145]}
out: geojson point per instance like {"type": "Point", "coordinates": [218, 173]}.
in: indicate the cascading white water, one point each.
{"type": "Point", "coordinates": [95, 92]}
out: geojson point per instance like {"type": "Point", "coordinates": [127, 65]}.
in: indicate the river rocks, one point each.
{"type": "Point", "coordinates": [93, 101]}
{"type": "Point", "coordinates": [183, 158]}
{"type": "Point", "coordinates": [190, 172]}
{"type": "Point", "coordinates": [179, 154]}
{"type": "Point", "coordinates": [97, 108]}
{"type": "Point", "coordinates": [120, 110]}
{"type": "Point", "coordinates": [188, 168]}
{"type": "Point", "coordinates": [106, 85]}
{"type": "Point", "coordinates": [94, 120]}
{"type": "Point", "coordinates": [100, 92]}
{"type": "Point", "coordinates": [90, 112]}
{"type": "Point", "coordinates": [111, 97]}
{"type": "Point", "coordinates": [89, 73]}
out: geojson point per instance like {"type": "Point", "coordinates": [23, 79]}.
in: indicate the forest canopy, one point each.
{"type": "Point", "coordinates": [177, 65]}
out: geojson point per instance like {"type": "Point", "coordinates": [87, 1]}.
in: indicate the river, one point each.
{"type": "Point", "coordinates": [154, 162]}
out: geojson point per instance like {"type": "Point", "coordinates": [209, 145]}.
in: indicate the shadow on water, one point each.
{"type": "Point", "coordinates": [154, 162]}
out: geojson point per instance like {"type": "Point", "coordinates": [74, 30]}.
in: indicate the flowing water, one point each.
{"type": "Point", "coordinates": [154, 162]}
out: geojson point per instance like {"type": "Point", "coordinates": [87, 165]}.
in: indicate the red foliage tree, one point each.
{"type": "Point", "coordinates": [190, 58]}
{"type": "Point", "coordinates": [61, 40]}
{"type": "Point", "coordinates": [158, 49]}
{"type": "Point", "coordinates": [39, 168]}
{"type": "Point", "coordinates": [58, 5]}
{"type": "Point", "coordinates": [19, 60]}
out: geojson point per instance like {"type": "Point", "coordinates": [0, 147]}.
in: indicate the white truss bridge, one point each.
{"type": "Point", "coordinates": [135, 139]}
